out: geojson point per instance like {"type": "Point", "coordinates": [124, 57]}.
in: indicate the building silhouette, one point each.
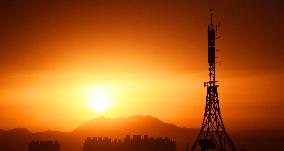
{"type": "Point", "coordinates": [44, 146]}
{"type": "Point", "coordinates": [134, 143]}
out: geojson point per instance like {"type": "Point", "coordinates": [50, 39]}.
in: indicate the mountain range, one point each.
{"type": "Point", "coordinates": [18, 139]}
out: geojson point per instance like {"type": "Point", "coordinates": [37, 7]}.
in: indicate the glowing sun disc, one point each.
{"type": "Point", "coordinates": [100, 98]}
{"type": "Point", "coordinates": [99, 102]}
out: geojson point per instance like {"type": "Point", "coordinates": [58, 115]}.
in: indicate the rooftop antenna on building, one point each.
{"type": "Point", "coordinates": [212, 135]}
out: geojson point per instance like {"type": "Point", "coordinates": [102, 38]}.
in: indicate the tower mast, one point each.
{"type": "Point", "coordinates": [211, 49]}
{"type": "Point", "coordinates": [212, 135]}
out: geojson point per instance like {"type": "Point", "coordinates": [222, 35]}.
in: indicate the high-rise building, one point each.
{"type": "Point", "coordinates": [134, 143]}
{"type": "Point", "coordinates": [44, 146]}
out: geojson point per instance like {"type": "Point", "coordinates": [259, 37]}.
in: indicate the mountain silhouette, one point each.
{"type": "Point", "coordinates": [15, 139]}
{"type": "Point", "coordinates": [137, 125]}
{"type": "Point", "coordinates": [18, 139]}
{"type": "Point", "coordinates": [133, 125]}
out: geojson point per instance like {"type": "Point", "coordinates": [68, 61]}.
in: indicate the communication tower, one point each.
{"type": "Point", "coordinates": [212, 135]}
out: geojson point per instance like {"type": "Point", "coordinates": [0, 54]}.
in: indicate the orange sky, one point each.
{"type": "Point", "coordinates": [152, 55]}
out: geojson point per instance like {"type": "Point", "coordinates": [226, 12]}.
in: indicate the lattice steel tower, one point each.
{"type": "Point", "coordinates": [212, 135]}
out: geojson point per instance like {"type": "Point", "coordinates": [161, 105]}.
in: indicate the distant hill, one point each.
{"type": "Point", "coordinates": [19, 138]}
{"type": "Point", "coordinates": [133, 125]}
{"type": "Point", "coordinates": [118, 128]}
{"type": "Point", "coordinates": [15, 139]}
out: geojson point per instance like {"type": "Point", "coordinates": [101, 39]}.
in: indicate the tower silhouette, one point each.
{"type": "Point", "coordinates": [212, 135]}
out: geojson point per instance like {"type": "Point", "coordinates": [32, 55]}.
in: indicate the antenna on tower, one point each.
{"type": "Point", "coordinates": [211, 16]}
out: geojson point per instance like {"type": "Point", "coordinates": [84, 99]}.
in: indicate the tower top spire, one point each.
{"type": "Point", "coordinates": [211, 16]}
{"type": "Point", "coordinates": [211, 49]}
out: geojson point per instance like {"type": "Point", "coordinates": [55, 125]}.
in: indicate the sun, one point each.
{"type": "Point", "coordinates": [100, 102]}
{"type": "Point", "coordinates": [100, 98]}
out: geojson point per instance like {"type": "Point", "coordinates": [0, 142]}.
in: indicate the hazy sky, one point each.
{"type": "Point", "coordinates": [150, 55]}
